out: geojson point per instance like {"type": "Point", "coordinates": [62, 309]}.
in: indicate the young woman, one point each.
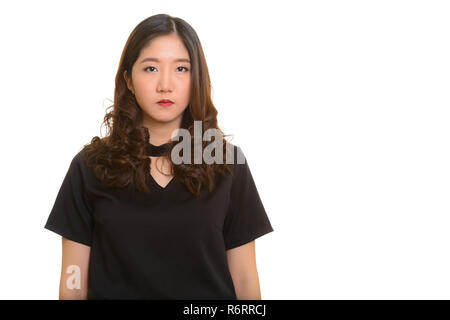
{"type": "Point", "coordinates": [135, 224]}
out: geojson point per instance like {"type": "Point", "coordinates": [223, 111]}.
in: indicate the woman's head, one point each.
{"type": "Point", "coordinates": [161, 71]}
{"type": "Point", "coordinates": [120, 158]}
{"type": "Point", "coordinates": [165, 38]}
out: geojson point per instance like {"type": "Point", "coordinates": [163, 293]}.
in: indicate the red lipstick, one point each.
{"type": "Point", "coordinates": [165, 102]}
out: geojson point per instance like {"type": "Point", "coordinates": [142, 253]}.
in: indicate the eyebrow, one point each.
{"type": "Point", "coordinates": [157, 60]}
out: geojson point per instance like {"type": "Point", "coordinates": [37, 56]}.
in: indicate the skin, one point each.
{"type": "Point", "coordinates": [243, 270]}
{"type": "Point", "coordinates": [152, 81]}
{"type": "Point", "coordinates": [74, 253]}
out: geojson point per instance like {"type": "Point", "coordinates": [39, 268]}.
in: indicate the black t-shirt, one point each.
{"type": "Point", "coordinates": [162, 245]}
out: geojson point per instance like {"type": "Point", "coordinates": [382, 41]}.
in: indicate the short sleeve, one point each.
{"type": "Point", "coordinates": [71, 215]}
{"type": "Point", "coordinates": [246, 218]}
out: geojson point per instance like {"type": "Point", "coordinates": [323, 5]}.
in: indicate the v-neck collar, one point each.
{"type": "Point", "coordinates": [157, 151]}
{"type": "Point", "coordinates": [159, 186]}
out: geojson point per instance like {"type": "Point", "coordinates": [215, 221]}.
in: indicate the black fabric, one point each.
{"type": "Point", "coordinates": [162, 245]}
{"type": "Point", "coordinates": [156, 151]}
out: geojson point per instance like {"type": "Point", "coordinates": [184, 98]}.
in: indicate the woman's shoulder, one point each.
{"type": "Point", "coordinates": [80, 165]}
{"type": "Point", "coordinates": [236, 160]}
{"type": "Point", "coordinates": [235, 155]}
{"type": "Point", "coordinates": [96, 144]}
{"type": "Point", "coordinates": [79, 158]}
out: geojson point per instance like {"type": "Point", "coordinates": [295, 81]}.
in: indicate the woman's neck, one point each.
{"type": "Point", "coordinates": [161, 133]}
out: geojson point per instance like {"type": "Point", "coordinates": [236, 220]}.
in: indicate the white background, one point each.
{"type": "Point", "coordinates": [341, 107]}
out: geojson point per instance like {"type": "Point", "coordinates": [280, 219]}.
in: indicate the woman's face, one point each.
{"type": "Point", "coordinates": [157, 74]}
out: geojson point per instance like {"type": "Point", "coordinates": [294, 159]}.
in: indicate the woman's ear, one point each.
{"type": "Point", "coordinates": [128, 81]}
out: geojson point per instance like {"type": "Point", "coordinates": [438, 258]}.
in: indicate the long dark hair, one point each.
{"type": "Point", "coordinates": [119, 159]}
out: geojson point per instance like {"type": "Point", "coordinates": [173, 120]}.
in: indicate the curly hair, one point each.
{"type": "Point", "coordinates": [119, 159]}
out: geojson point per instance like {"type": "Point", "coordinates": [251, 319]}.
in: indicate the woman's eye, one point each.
{"type": "Point", "coordinates": [184, 68]}
{"type": "Point", "coordinates": [148, 68]}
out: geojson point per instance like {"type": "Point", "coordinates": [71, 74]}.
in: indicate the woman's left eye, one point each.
{"type": "Point", "coordinates": [184, 68]}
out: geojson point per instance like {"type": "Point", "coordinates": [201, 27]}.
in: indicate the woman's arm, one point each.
{"type": "Point", "coordinates": [74, 270]}
{"type": "Point", "coordinates": [242, 265]}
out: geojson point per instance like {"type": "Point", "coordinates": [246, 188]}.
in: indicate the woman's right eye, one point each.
{"type": "Point", "coordinates": [147, 68]}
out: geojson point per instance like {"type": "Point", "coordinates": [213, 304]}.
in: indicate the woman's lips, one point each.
{"type": "Point", "coordinates": [165, 103]}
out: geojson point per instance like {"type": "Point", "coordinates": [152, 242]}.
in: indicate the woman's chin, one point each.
{"type": "Point", "coordinates": [162, 118]}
